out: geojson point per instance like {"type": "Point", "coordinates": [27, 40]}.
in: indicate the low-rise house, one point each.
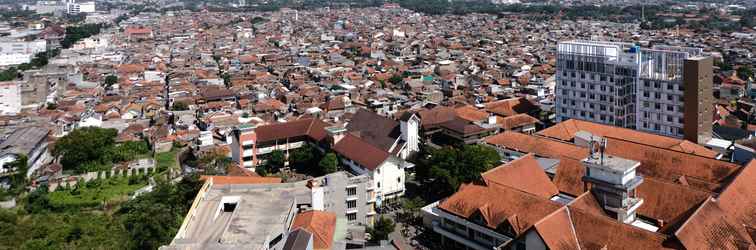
{"type": "Point", "coordinates": [30, 142]}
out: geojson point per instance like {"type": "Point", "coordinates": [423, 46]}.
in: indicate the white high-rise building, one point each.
{"type": "Point", "coordinates": [622, 84]}
{"type": "Point", "coordinates": [73, 8]}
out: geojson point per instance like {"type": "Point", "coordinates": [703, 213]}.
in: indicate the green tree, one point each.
{"type": "Point", "coordinates": [18, 179]}
{"type": "Point", "coordinates": [85, 145]}
{"type": "Point", "coordinates": [446, 168]}
{"type": "Point", "coordinates": [396, 79]}
{"type": "Point", "coordinates": [411, 208]}
{"type": "Point", "coordinates": [745, 72]}
{"type": "Point", "coordinates": [180, 106]}
{"type": "Point", "coordinates": [214, 163]}
{"type": "Point", "coordinates": [38, 201]}
{"type": "Point", "coordinates": [276, 158]}
{"type": "Point", "coordinates": [110, 80]}
{"type": "Point", "coordinates": [226, 80]}
{"type": "Point", "coordinates": [152, 219]}
{"type": "Point", "coordinates": [381, 229]}
{"type": "Point", "coordinates": [329, 163]}
{"type": "Point", "coordinates": [303, 155]}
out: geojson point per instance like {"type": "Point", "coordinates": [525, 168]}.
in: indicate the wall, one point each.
{"type": "Point", "coordinates": [72, 180]}
{"type": "Point", "coordinates": [10, 97]}
{"type": "Point", "coordinates": [390, 176]}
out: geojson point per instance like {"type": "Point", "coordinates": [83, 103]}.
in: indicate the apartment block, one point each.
{"type": "Point", "coordinates": [624, 85]}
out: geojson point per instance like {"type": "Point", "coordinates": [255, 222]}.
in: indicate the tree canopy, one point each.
{"type": "Point", "coordinates": [91, 148]}
{"type": "Point", "coordinates": [110, 80]}
{"type": "Point", "coordinates": [146, 222]}
{"type": "Point", "coordinates": [446, 168]}
{"type": "Point", "coordinates": [381, 229]}
{"type": "Point", "coordinates": [329, 163]}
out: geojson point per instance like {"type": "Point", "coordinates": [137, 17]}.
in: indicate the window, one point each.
{"type": "Point", "coordinates": [379, 184]}
{"type": "Point", "coordinates": [352, 191]}
{"type": "Point", "coordinates": [352, 204]}
{"type": "Point", "coordinates": [399, 179]}
{"type": "Point", "coordinates": [352, 217]}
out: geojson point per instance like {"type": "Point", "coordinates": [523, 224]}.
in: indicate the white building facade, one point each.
{"type": "Point", "coordinates": [622, 84]}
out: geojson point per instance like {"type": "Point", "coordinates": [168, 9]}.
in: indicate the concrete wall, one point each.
{"type": "Point", "coordinates": [86, 177]}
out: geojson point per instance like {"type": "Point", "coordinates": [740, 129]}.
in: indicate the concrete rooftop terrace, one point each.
{"type": "Point", "coordinates": [263, 212]}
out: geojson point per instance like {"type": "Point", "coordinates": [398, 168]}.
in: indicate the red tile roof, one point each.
{"type": "Point", "coordinates": [515, 208]}
{"type": "Point", "coordinates": [600, 232]}
{"type": "Point", "coordinates": [541, 146]}
{"type": "Point", "coordinates": [523, 174]}
{"type": "Point", "coordinates": [669, 165]}
{"type": "Point", "coordinates": [313, 128]}
{"type": "Point", "coordinates": [512, 106]}
{"type": "Point", "coordinates": [712, 228]}
{"type": "Point", "coordinates": [516, 121]}
{"type": "Point", "coordinates": [557, 231]}
{"type": "Point", "coordinates": [568, 177]}
{"type": "Point", "coordinates": [320, 224]}
{"type": "Point", "coordinates": [670, 209]}
{"type": "Point", "coordinates": [358, 150]}
{"type": "Point", "coordinates": [566, 131]}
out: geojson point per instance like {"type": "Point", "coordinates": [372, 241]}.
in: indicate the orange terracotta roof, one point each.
{"type": "Point", "coordinates": [313, 128]}
{"type": "Point", "coordinates": [566, 131]}
{"type": "Point", "coordinates": [601, 232]}
{"type": "Point", "coordinates": [670, 209]}
{"type": "Point", "coordinates": [516, 121]}
{"type": "Point", "coordinates": [669, 165]}
{"type": "Point", "coordinates": [739, 198]}
{"type": "Point", "coordinates": [712, 228]}
{"type": "Point", "coordinates": [471, 113]}
{"type": "Point", "coordinates": [588, 203]}
{"type": "Point", "coordinates": [523, 174]}
{"type": "Point", "coordinates": [360, 151]}
{"type": "Point", "coordinates": [512, 106]}
{"type": "Point", "coordinates": [557, 231]}
{"type": "Point", "coordinates": [540, 146]}
{"type": "Point", "coordinates": [230, 180]}
{"type": "Point", "coordinates": [514, 208]}
{"type": "Point", "coordinates": [568, 177]}
{"type": "Point", "coordinates": [320, 224]}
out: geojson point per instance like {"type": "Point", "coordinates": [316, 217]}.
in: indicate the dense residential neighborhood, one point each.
{"type": "Point", "coordinates": [407, 124]}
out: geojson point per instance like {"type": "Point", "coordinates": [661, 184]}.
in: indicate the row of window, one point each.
{"type": "Point", "coordinates": [662, 128]}
{"type": "Point", "coordinates": [659, 117]}
{"type": "Point", "coordinates": [658, 85]}
{"type": "Point", "coordinates": [590, 96]}
{"type": "Point", "coordinates": [668, 97]}
{"type": "Point", "coordinates": [660, 106]}
{"type": "Point", "coordinates": [588, 105]}
{"type": "Point", "coordinates": [589, 86]}
{"type": "Point", "coordinates": [586, 115]}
